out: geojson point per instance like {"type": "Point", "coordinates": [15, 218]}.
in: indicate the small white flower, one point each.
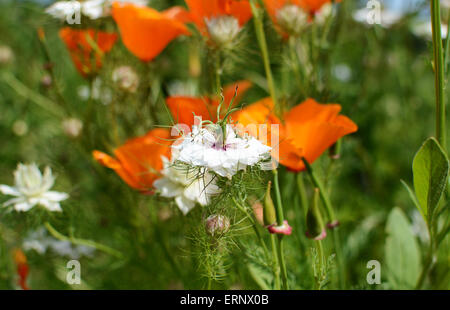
{"type": "Point", "coordinates": [223, 30]}
{"type": "Point", "coordinates": [72, 127]}
{"type": "Point", "coordinates": [32, 188]}
{"type": "Point", "coordinates": [93, 9]}
{"type": "Point", "coordinates": [64, 9]}
{"type": "Point", "coordinates": [292, 19]}
{"type": "Point", "coordinates": [6, 55]}
{"type": "Point", "coordinates": [126, 78]}
{"type": "Point", "coordinates": [424, 29]}
{"type": "Point", "coordinates": [188, 187]}
{"type": "Point", "coordinates": [205, 147]}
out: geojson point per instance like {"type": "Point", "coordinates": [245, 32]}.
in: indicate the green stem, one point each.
{"type": "Point", "coordinates": [84, 242]}
{"type": "Point", "coordinates": [276, 264]}
{"type": "Point", "coordinates": [254, 226]}
{"type": "Point", "coordinates": [323, 196]}
{"type": "Point", "coordinates": [280, 220]}
{"type": "Point", "coordinates": [302, 192]}
{"type": "Point", "coordinates": [259, 29]}
{"type": "Point", "coordinates": [438, 72]}
{"type": "Point", "coordinates": [320, 254]}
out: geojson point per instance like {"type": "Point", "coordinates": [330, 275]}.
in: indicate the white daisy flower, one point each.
{"type": "Point", "coordinates": [188, 187]}
{"type": "Point", "coordinates": [32, 188]}
{"type": "Point", "coordinates": [205, 147]}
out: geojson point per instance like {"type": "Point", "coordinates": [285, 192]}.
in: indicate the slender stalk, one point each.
{"type": "Point", "coordinates": [323, 196]}
{"type": "Point", "coordinates": [438, 72]}
{"type": "Point", "coordinates": [276, 264]}
{"type": "Point", "coordinates": [320, 254]}
{"type": "Point", "coordinates": [302, 192]}
{"type": "Point", "coordinates": [259, 29]}
{"type": "Point", "coordinates": [280, 220]}
{"type": "Point", "coordinates": [428, 262]}
{"type": "Point", "coordinates": [255, 229]}
{"type": "Point", "coordinates": [84, 242]}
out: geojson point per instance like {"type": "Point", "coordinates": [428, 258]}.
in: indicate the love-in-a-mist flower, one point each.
{"type": "Point", "coordinates": [188, 187]}
{"type": "Point", "coordinates": [146, 32]}
{"type": "Point", "coordinates": [139, 161]}
{"type": "Point", "coordinates": [308, 129]}
{"type": "Point", "coordinates": [32, 188]}
{"type": "Point", "coordinates": [87, 47]}
{"type": "Point", "coordinates": [220, 20]}
{"type": "Point", "coordinates": [93, 9]}
{"type": "Point", "coordinates": [220, 151]}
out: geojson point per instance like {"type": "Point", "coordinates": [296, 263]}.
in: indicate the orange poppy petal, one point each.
{"type": "Point", "coordinates": [184, 108]}
{"type": "Point", "coordinates": [230, 90]}
{"type": "Point", "coordinates": [205, 9]}
{"type": "Point", "coordinates": [139, 160]}
{"type": "Point", "coordinates": [178, 13]}
{"type": "Point", "coordinates": [145, 31]}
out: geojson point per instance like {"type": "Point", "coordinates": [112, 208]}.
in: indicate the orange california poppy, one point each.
{"type": "Point", "coordinates": [145, 31]}
{"type": "Point", "coordinates": [312, 6]}
{"type": "Point", "coordinates": [139, 161]}
{"type": "Point", "coordinates": [206, 9]}
{"type": "Point", "coordinates": [84, 45]}
{"type": "Point", "coordinates": [308, 130]}
{"type": "Point", "coordinates": [22, 268]}
{"type": "Point", "coordinates": [183, 108]}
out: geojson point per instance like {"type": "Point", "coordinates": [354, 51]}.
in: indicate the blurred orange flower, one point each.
{"type": "Point", "coordinates": [84, 45]}
{"type": "Point", "coordinates": [308, 129]}
{"type": "Point", "coordinates": [183, 108]}
{"type": "Point", "coordinates": [22, 268]}
{"type": "Point", "coordinates": [202, 10]}
{"type": "Point", "coordinates": [138, 161]}
{"type": "Point", "coordinates": [145, 31]}
{"type": "Point", "coordinates": [312, 6]}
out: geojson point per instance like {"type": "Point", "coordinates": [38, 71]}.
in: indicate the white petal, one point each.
{"type": "Point", "coordinates": [23, 206]}
{"type": "Point", "coordinates": [55, 196]}
{"type": "Point", "coordinates": [184, 204]}
{"type": "Point", "coordinates": [8, 190]}
{"type": "Point", "coordinates": [167, 187]}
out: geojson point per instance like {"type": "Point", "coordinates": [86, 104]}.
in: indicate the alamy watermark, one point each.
{"type": "Point", "coordinates": [74, 273]}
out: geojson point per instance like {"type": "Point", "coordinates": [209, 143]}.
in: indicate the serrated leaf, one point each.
{"type": "Point", "coordinates": [430, 171]}
{"type": "Point", "coordinates": [402, 253]}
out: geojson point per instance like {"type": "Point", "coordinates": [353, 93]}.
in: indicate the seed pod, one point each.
{"type": "Point", "coordinates": [269, 215]}
{"type": "Point", "coordinates": [314, 222]}
{"type": "Point", "coordinates": [217, 224]}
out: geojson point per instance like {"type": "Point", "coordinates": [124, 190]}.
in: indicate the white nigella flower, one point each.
{"type": "Point", "coordinates": [32, 188]}
{"type": "Point", "coordinates": [205, 147]}
{"type": "Point", "coordinates": [292, 19]}
{"type": "Point", "coordinates": [93, 9]}
{"type": "Point", "coordinates": [223, 30]}
{"type": "Point", "coordinates": [188, 187]}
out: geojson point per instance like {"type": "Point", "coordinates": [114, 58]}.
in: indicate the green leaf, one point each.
{"type": "Point", "coordinates": [413, 197]}
{"type": "Point", "coordinates": [402, 253]}
{"type": "Point", "coordinates": [430, 170]}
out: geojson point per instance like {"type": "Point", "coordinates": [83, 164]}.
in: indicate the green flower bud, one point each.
{"type": "Point", "coordinates": [269, 215]}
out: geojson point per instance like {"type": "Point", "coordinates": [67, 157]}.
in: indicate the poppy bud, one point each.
{"type": "Point", "coordinates": [223, 30]}
{"type": "Point", "coordinates": [314, 222]}
{"type": "Point", "coordinates": [217, 224]}
{"type": "Point", "coordinates": [269, 215]}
